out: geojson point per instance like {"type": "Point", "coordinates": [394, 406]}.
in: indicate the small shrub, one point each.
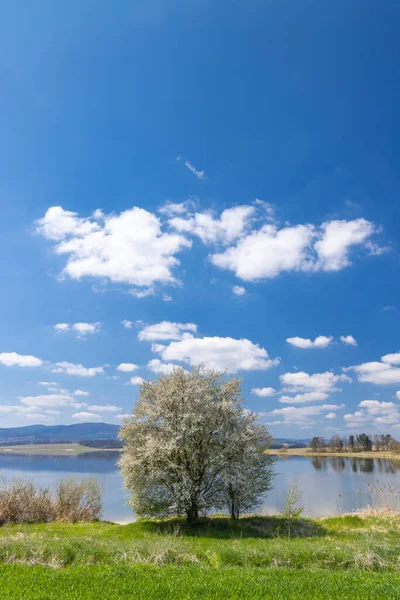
{"type": "Point", "coordinates": [78, 500]}
{"type": "Point", "coordinates": [74, 500]}
{"type": "Point", "coordinates": [292, 512]}
{"type": "Point", "coordinates": [22, 502]}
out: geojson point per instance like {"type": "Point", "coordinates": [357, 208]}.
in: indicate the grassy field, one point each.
{"type": "Point", "coordinates": [310, 453]}
{"type": "Point", "coordinates": [340, 557]}
{"type": "Point", "coordinates": [51, 449]}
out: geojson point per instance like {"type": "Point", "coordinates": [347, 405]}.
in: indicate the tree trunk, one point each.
{"type": "Point", "coordinates": [192, 515]}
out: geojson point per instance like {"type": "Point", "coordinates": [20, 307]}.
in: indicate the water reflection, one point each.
{"type": "Point", "coordinates": [328, 484]}
{"type": "Point", "coordinates": [355, 465]}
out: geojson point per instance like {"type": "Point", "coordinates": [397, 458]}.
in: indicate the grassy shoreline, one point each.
{"type": "Point", "coordinates": [338, 557]}
{"type": "Point", "coordinates": [310, 453]}
{"type": "Point", "coordinates": [53, 449]}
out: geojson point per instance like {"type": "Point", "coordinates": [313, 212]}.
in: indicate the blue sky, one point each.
{"type": "Point", "coordinates": [196, 150]}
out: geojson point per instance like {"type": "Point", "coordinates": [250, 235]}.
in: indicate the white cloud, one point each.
{"type": "Point", "coordinates": [230, 226]}
{"type": "Point", "coordinates": [381, 413]}
{"type": "Point", "coordinates": [330, 415]}
{"type": "Point", "coordinates": [136, 380]}
{"type": "Point", "coordinates": [337, 239]}
{"type": "Point", "coordinates": [86, 416]}
{"type": "Point", "coordinates": [47, 383]}
{"type": "Point", "coordinates": [159, 367]}
{"type": "Point", "coordinates": [303, 415]}
{"type": "Point", "coordinates": [305, 397]}
{"type": "Point", "coordinates": [81, 393]}
{"type": "Point", "coordinates": [391, 359]}
{"type": "Point", "coordinates": [266, 253]}
{"type": "Point", "coordinates": [269, 251]}
{"type": "Point", "coordinates": [171, 209]}
{"type": "Point", "coordinates": [398, 395]}
{"type": "Point", "coordinates": [219, 353]}
{"type": "Point", "coordinates": [263, 392]}
{"type": "Point", "coordinates": [49, 401]}
{"type": "Point", "coordinates": [81, 329]}
{"type": "Point", "coordinates": [122, 416]}
{"type": "Point", "coordinates": [76, 369]}
{"type": "Point", "coordinates": [127, 324]}
{"type": "Point", "coordinates": [127, 367]}
{"type": "Point", "coordinates": [12, 359]}
{"type": "Point", "coordinates": [381, 373]}
{"type": "Point", "coordinates": [348, 340]}
{"type": "Point", "coordinates": [192, 169]}
{"type": "Point", "coordinates": [104, 408]}
{"type": "Point", "coordinates": [128, 248]}
{"type": "Point", "coordinates": [239, 290]}
{"type": "Point", "coordinates": [318, 382]}
{"type": "Point", "coordinates": [167, 297]}
{"type": "Point", "coordinates": [167, 331]}
{"type": "Point", "coordinates": [321, 341]}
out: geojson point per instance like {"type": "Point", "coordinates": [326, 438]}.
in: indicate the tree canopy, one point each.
{"type": "Point", "coordinates": [191, 447]}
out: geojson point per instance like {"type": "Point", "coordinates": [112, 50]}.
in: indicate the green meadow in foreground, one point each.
{"type": "Point", "coordinates": [339, 557]}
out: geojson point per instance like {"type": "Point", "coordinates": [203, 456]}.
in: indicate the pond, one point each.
{"type": "Point", "coordinates": [329, 485]}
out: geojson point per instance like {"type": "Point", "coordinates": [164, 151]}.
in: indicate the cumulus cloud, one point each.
{"type": "Point", "coordinates": [231, 225]}
{"type": "Point", "coordinates": [238, 290]}
{"type": "Point", "coordinates": [86, 416]}
{"type": "Point", "coordinates": [12, 359]}
{"type": "Point", "coordinates": [47, 383]}
{"type": "Point", "coordinates": [304, 415]}
{"type": "Point", "coordinates": [398, 395]}
{"type": "Point", "coordinates": [318, 382]}
{"type": "Point", "coordinates": [81, 393]}
{"type": "Point", "coordinates": [81, 329]}
{"type": "Point", "coordinates": [127, 324]}
{"type": "Point", "coordinates": [50, 401]}
{"type": "Point", "coordinates": [321, 341]}
{"type": "Point", "coordinates": [263, 392]}
{"type": "Point", "coordinates": [136, 380]}
{"type": "Point", "coordinates": [381, 373]}
{"type": "Point", "coordinates": [127, 367]}
{"type": "Point", "coordinates": [171, 209]}
{"type": "Point", "coordinates": [348, 340]}
{"type": "Point", "coordinates": [337, 239]}
{"type": "Point", "coordinates": [219, 353]}
{"type": "Point", "coordinates": [128, 247]}
{"type": "Point", "coordinates": [330, 415]}
{"type": "Point", "coordinates": [266, 252]}
{"type": "Point", "coordinates": [380, 413]}
{"type": "Point", "coordinates": [104, 408]}
{"type": "Point", "coordinates": [159, 367]}
{"type": "Point", "coordinates": [167, 330]}
{"type": "Point", "coordinates": [76, 369]}
{"type": "Point", "coordinates": [305, 397]}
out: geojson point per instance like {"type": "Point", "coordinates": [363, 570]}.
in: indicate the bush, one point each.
{"type": "Point", "coordinates": [78, 500]}
{"type": "Point", "coordinates": [22, 502]}
{"type": "Point", "coordinates": [74, 500]}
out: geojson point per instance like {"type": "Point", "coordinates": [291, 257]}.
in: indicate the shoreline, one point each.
{"type": "Point", "coordinates": [308, 453]}
{"type": "Point", "coordinates": [73, 449]}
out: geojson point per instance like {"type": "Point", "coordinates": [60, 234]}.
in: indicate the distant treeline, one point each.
{"type": "Point", "coordinates": [355, 443]}
{"type": "Point", "coordinates": [111, 443]}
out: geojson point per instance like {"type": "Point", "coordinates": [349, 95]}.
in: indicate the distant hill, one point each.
{"type": "Point", "coordinates": [34, 434]}
{"type": "Point", "coordinates": [291, 443]}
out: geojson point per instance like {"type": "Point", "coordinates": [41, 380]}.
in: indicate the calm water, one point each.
{"type": "Point", "coordinates": [321, 480]}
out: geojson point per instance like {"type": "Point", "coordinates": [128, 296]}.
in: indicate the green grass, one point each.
{"type": "Point", "coordinates": [50, 449]}
{"type": "Point", "coordinates": [338, 557]}
{"type": "Point", "coordinates": [190, 583]}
